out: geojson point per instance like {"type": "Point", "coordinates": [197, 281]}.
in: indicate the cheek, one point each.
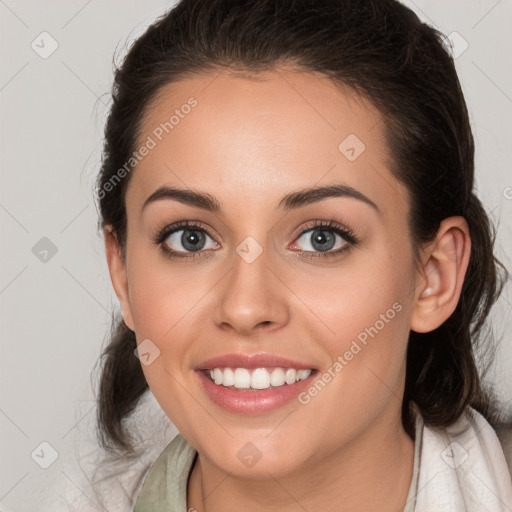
{"type": "Point", "coordinates": [363, 310]}
{"type": "Point", "coordinates": [164, 301]}
{"type": "Point", "coordinates": [161, 292]}
{"type": "Point", "coordinates": [364, 328]}
{"type": "Point", "coordinates": [169, 304]}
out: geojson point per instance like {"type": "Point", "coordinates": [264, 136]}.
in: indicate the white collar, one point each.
{"type": "Point", "coordinates": [462, 468]}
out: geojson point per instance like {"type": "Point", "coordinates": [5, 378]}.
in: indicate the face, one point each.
{"type": "Point", "coordinates": [323, 280]}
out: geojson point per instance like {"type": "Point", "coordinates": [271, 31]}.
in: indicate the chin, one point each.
{"type": "Point", "coordinates": [247, 460]}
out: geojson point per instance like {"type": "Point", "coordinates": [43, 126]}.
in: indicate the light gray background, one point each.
{"type": "Point", "coordinates": [55, 314]}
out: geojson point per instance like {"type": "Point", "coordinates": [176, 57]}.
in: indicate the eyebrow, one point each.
{"type": "Point", "coordinates": [289, 202]}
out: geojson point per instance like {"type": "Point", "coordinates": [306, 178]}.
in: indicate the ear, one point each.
{"type": "Point", "coordinates": [442, 273]}
{"type": "Point", "coordinates": [118, 276]}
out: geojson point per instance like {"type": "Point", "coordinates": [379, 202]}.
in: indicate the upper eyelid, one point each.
{"type": "Point", "coordinates": [197, 225]}
{"type": "Point", "coordinates": [168, 230]}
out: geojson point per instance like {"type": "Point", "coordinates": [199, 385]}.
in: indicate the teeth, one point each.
{"type": "Point", "coordinates": [228, 377]}
{"type": "Point", "coordinates": [217, 376]}
{"type": "Point", "coordinates": [242, 378]}
{"type": "Point", "coordinates": [290, 376]}
{"type": "Point", "coordinates": [277, 377]}
{"type": "Point", "coordinates": [303, 374]}
{"type": "Point", "coordinates": [258, 378]}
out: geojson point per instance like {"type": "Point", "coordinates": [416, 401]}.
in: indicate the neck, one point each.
{"type": "Point", "coordinates": [368, 474]}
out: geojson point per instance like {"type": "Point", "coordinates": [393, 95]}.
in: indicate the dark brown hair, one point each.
{"type": "Point", "coordinates": [380, 49]}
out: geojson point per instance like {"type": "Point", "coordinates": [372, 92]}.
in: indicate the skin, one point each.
{"type": "Point", "coordinates": [248, 143]}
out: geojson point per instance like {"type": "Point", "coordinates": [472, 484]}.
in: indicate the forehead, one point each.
{"type": "Point", "coordinates": [260, 134]}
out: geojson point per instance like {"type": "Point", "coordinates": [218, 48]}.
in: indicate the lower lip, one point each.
{"type": "Point", "coordinates": [248, 401]}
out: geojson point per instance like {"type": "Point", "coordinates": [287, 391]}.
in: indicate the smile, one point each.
{"type": "Point", "coordinates": [253, 391]}
{"type": "Point", "coordinates": [256, 378]}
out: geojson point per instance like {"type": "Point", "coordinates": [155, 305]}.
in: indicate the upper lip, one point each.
{"type": "Point", "coordinates": [251, 361]}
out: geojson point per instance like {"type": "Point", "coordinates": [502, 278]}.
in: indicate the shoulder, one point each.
{"type": "Point", "coordinates": [490, 436]}
{"type": "Point", "coordinates": [477, 434]}
{"type": "Point", "coordinates": [165, 486]}
{"type": "Point", "coordinates": [177, 454]}
{"type": "Point", "coordinates": [464, 464]}
{"type": "Point", "coordinates": [504, 434]}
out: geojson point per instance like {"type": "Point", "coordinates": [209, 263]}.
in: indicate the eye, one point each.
{"type": "Point", "coordinates": [184, 238]}
{"type": "Point", "coordinates": [190, 239]}
{"type": "Point", "coordinates": [325, 237]}
{"type": "Point", "coordinates": [320, 239]}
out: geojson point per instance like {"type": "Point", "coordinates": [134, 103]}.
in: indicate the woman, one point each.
{"type": "Point", "coordinates": [302, 265]}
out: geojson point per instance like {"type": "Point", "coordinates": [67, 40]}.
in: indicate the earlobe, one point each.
{"type": "Point", "coordinates": [443, 272]}
{"type": "Point", "coordinates": [117, 272]}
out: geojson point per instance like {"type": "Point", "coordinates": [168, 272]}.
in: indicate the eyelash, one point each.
{"type": "Point", "coordinates": [347, 234]}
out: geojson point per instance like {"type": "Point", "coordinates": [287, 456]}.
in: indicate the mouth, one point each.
{"type": "Point", "coordinates": [253, 391]}
{"type": "Point", "coordinates": [255, 379]}
{"type": "Point", "coordinates": [253, 384]}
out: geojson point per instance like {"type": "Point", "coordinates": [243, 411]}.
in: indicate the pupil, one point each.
{"type": "Point", "coordinates": [192, 240]}
{"type": "Point", "coordinates": [322, 240]}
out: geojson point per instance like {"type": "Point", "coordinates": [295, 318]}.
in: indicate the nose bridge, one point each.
{"type": "Point", "coordinates": [251, 295]}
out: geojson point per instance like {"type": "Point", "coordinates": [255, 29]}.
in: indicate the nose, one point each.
{"type": "Point", "coordinates": [251, 297]}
